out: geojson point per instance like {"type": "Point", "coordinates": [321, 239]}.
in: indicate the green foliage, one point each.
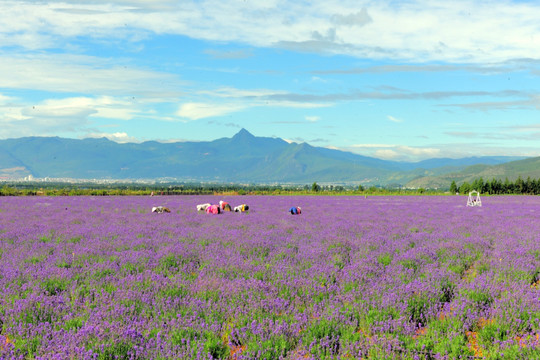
{"type": "Point", "coordinates": [83, 188]}
{"type": "Point", "coordinates": [53, 286]}
{"type": "Point", "coordinates": [100, 274]}
{"type": "Point", "coordinates": [180, 335]}
{"type": "Point", "coordinates": [8, 191]}
{"type": "Point", "coordinates": [75, 240]}
{"type": "Point", "coordinates": [418, 307]}
{"type": "Point", "coordinates": [37, 314]}
{"type": "Point", "coordinates": [73, 323]}
{"type": "Point", "coordinates": [28, 346]}
{"type": "Point", "coordinates": [465, 188]}
{"type": "Point", "coordinates": [448, 289]}
{"type": "Point", "coordinates": [169, 264]}
{"type": "Point", "coordinates": [274, 348]}
{"type": "Point", "coordinates": [410, 264]}
{"type": "Point", "coordinates": [480, 297]}
{"type": "Point", "coordinates": [453, 187]}
{"type": "Point", "coordinates": [174, 291]}
{"type": "Point", "coordinates": [117, 350]}
{"type": "Point", "coordinates": [35, 259]}
{"type": "Point", "coordinates": [385, 259]}
{"type": "Point", "coordinates": [133, 268]}
{"type": "Point", "coordinates": [45, 239]}
{"type": "Point", "coordinates": [442, 336]}
{"type": "Point", "coordinates": [492, 331]}
{"type": "Point", "coordinates": [323, 329]}
{"type": "Point", "coordinates": [214, 346]}
{"type": "Point", "coordinates": [376, 315]}
{"type": "Point", "coordinates": [498, 187]}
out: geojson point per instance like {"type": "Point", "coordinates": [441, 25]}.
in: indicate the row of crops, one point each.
{"type": "Point", "coordinates": [351, 277]}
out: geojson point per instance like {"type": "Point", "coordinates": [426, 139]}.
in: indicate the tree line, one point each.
{"type": "Point", "coordinates": [499, 187]}
{"type": "Point", "coordinates": [494, 187]}
{"type": "Point", "coordinates": [119, 189]}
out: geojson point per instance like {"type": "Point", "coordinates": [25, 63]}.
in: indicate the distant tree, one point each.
{"type": "Point", "coordinates": [507, 187]}
{"type": "Point", "coordinates": [519, 185]}
{"type": "Point", "coordinates": [373, 189]}
{"type": "Point", "coordinates": [315, 187]}
{"type": "Point", "coordinates": [486, 189]}
{"type": "Point", "coordinates": [360, 188]}
{"type": "Point", "coordinates": [535, 187]}
{"type": "Point", "coordinates": [477, 184]}
{"type": "Point", "coordinates": [453, 187]}
{"type": "Point", "coordinates": [496, 186]}
{"type": "Point", "coordinates": [465, 188]}
{"type": "Point", "coordinates": [8, 191]}
{"type": "Point", "coordinates": [527, 187]}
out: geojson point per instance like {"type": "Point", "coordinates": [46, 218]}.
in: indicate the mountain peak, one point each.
{"type": "Point", "coordinates": [243, 134]}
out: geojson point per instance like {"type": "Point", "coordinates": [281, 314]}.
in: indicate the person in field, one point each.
{"type": "Point", "coordinates": [295, 210]}
{"type": "Point", "coordinates": [241, 208]}
{"type": "Point", "coordinates": [202, 207]}
{"type": "Point", "coordinates": [213, 209]}
{"type": "Point", "coordinates": [225, 206]}
{"type": "Point", "coordinates": [161, 209]}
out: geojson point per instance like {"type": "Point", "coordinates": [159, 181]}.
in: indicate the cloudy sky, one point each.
{"type": "Point", "coordinates": [401, 80]}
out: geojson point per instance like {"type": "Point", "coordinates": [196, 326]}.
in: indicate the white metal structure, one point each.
{"type": "Point", "coordinates": [474, 199]}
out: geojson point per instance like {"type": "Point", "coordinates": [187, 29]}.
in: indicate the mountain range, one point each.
{"type": "Point", "coordinates": [244, 158]}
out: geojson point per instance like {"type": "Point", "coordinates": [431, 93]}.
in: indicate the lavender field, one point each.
{"type": "Point", "coordinates": [349, 278]}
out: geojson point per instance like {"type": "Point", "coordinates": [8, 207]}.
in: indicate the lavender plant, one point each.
{"type": "Point", "coordinates": [351, 277]}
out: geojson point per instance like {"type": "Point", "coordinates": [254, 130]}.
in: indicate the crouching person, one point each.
{"type": "Point", "coordinates": [161, 209]}
{"type": "Point", "coordinates": [202, 207]}
{"type": "Point", "coordinates": [241, 208]}
{"type": "Point", "coordinates": [213, 209]}
{"type": "Point", "coordinates": [224, 206]}
{"type": "Point", "coordinates": [295, 210]}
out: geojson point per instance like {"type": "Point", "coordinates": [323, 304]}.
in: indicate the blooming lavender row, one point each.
{"type": "Point", "coordinates": [351, 277]}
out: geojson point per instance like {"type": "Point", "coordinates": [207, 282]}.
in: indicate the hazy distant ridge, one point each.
{"type": "Point", "coordinates": [243, 158]}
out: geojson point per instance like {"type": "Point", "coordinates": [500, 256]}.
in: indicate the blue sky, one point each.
{"type": "Point", "coordinates": [400, 80]}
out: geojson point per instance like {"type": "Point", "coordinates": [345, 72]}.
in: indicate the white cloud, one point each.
{"type": "Point", "coordinates": [239, 100]}
{"type": "Point", "coordinates": [196, 111]}
{"type": "Point", "coordinates": [65, 115]}
{"type": "Point", "coordinates": [104, 106]}
{"type": "Point", "coordinates": [393, 119]}
{"type": "Point", "coordinates": [360, 18]}
{"type": "Point", "coordinates": [419, 30]}
{"type": "Point", "coordinates": [231, 92]}
{"type": "Point", "coordinates": [370, 146]}
{"type": "Point", "coordinates": [84, 75]}
{"type": "Point", "coordinates": [419, 151]}
{"type": "Point", "coordinates": [4, 100]}
{"type": "Point", "coordinates": [494, 148]}
{"type": "Point", "coordinates": [231, 54]}
{"type": "Point", "coordinates": [313, 118]}
{"type": "Point", "coordinates": [264, 97]}
{"type": "Point", "coordinates": [119, 137]}
{"type": "Point", "coordinates": [294, 104]}
{"type": "Point", "coordinates": [395, 151]}
{"type": "Point", "coordinates": [387, 154]}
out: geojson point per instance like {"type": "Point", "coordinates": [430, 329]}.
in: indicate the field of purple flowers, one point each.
{"type": "Point", "coordinates": [349, 278]}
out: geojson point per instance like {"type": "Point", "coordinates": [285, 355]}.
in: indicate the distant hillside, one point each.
{"type": "Point", "coordinates": [244, 158]}
{"type": "Point", "coordinates": [512, 170]}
